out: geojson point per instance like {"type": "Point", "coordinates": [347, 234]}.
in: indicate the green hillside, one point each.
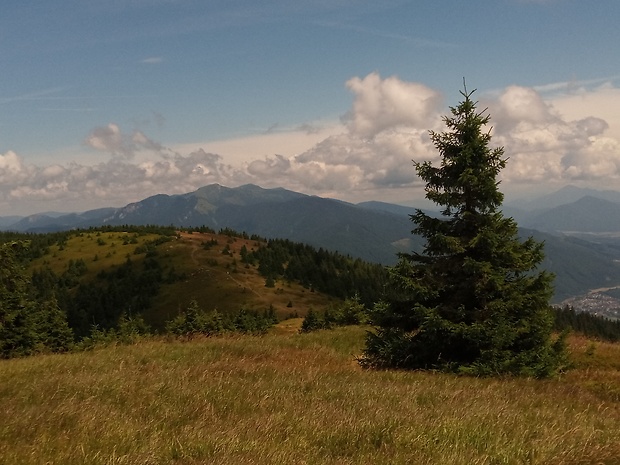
{"type": "Point", "coordinates": [165, 272]}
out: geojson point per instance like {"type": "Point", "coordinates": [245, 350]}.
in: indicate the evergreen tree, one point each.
{"type": "Point", "coordinates": [312, 322]}
{"type": "Point", "coordinates": [53, 331]}
{"type": "Point", "coordinates": [27, 325]}
{"type": "Point", "coordinates": [18, 332]}
{"type": "Point", "coordinates": [472, 301]}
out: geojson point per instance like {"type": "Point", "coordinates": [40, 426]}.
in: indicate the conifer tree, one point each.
{"type": "Point", "coordinates": [27, 325]}
{"type": "Point", "coordinates": [18, 335]}
{"type": "Point", "coordinates": [472, 301]}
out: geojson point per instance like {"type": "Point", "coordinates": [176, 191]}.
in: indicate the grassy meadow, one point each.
{"type": "Point", "coordinates": [289, 398]}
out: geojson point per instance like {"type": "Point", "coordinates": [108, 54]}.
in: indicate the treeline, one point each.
{"type": "Point", "coordinates": [47, 313]}
{"type": "Point", "coordinates": [586, 323]}
{"type": "Point", "coordinates": [196, 321]}
{"type": "Point", "coordinates": [190, 323]}
{"type": "Point", "coordinates": [54, 312]}
{"type": "Point", "coordinates": [353, 312]}
{"type": "Point", "coordinates": [27, 325]}
{"type": "Point", "coordinates": [350, 312]}
{"type": "Point", "coordinates": [51, 311]}
{"type": "Point", "coordinates": [127, 288]}
{"type": "Point", "coordinates": [328, 272]}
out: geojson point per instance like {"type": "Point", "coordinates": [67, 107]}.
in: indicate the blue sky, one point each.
{"type": "Point", "coordinates": [106, 102]}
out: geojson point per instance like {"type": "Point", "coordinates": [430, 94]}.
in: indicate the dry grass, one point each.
{"type": "Point", "coordinates": [222, 281]}
{"type": "Point", "coordinates": [291, 398]}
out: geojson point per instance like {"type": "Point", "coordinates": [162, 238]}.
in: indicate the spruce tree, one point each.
{"type": "Point", "coordinates": [18, 334]}
{"type": "Point", "coordinates": [27, 326]}
{"type": "Point", "coordinates": [473, 301]}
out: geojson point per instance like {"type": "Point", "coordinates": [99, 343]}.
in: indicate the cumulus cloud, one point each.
{"type": "Point", "coordinates": [543, 145]}
{"type": "Point", "coordinates": [388, 125]}
{"type": "Point", "coordinates": [112, 140]}
{"type": "Point", "coordinates": [174, 175]}
{"type": "Point", "coordinates": [116, 181]}
{"type": "Point", "coordinates": [368, 156]}
{"type": "Point", "coordinates": [385, 129]}
{"type": "Point", "coordinates": [390, 103]}
{"type": "Point", "coordinates": [11, 167]}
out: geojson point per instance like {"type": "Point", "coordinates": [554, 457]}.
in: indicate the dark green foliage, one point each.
{"type": "Point", "coordinates": [149, 248]}
{"type": "Point", "coordinates": [27, 325]}
{"type": "Point", "coordinates": [312, 322]}
{"type": "Point", "coordinates": [53, 331]}
{"type": "Point", "coordinates": [195, 321]}
{"type": "Point", "coordinates": [327, 272]}
{"type": "Point", "coordinates": [472, 301]}
{"type": "Point", "coordinates": [38, 244]}
{"type": "Point", "coordinates": [127, 331]}
{"type": "Point", "coordinates": [350, 312]}
{"type": "Point", "coordinates": [249, 321]}
{"type": "Point", "coordinates": [17, 323]}
{"type": "Point", "coordinates": [244, 255]}
{"type": "Point", "coordinates": [128, 288]}
{"type": "Point", "coordinates": [588, 324]}
{"type": "Point", "coordinates": [71, 276]}
{"type": "Point", "coordinates": [200, 229]}
{"type": "Point", "coordinates": [207, 245]}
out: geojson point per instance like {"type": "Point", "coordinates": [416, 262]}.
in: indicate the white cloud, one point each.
{"type": "Point", "coordinates": [112, 140]}
{"type": "Point", "coordinates": [288, 142]}
{"type": "Point", "coordinates": [11, 165]}
{"type": "Point", "coordinates": [386, 127]}
{"type": "Point", "coordinates": [601, 102]}
{"type": "Point", "coordinates": [545, 143]}
{"type": "Point", "coordinates": [390, 103]}
{"type": "Point", "coordinates": [566, 138]}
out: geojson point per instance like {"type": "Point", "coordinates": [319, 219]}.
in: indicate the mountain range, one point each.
{"type": "Point", "coordinates": [372, 231]}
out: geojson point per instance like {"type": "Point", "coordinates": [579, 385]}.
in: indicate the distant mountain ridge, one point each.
{"type": "Point", "coordinates": [565, 195]}
{"type": "Point", "coordinates": [388, 207]}
{"type": "Point", "coordinates": [587, 214]}
{"type": "Point", "coordinates": [568, 209]}
{"type": "Point", "coordinates": [372, 231]}
{"type": "Point", "coordinates": [373, 235]}
{"type": "Point", "coordinates": [7, 221]}
{"type": "Point", "coordinates": [60, 222]}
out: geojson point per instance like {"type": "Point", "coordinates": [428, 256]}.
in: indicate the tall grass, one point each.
{"type": "Point", "coordinates": [287, 398]}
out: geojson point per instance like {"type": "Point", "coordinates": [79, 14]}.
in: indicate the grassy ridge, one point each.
{"type": "Point", "coordinates": [216, 280]}
{"type": "Point", "coordinates": [220, 280]}
{"type": "Point", "coordinates": [291, 398]}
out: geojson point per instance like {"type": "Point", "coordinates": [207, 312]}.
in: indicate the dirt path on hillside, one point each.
{"type": "Point", "coordinates": [194, 246]}
{"type": "Point", "coordinates": [239, 283]}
